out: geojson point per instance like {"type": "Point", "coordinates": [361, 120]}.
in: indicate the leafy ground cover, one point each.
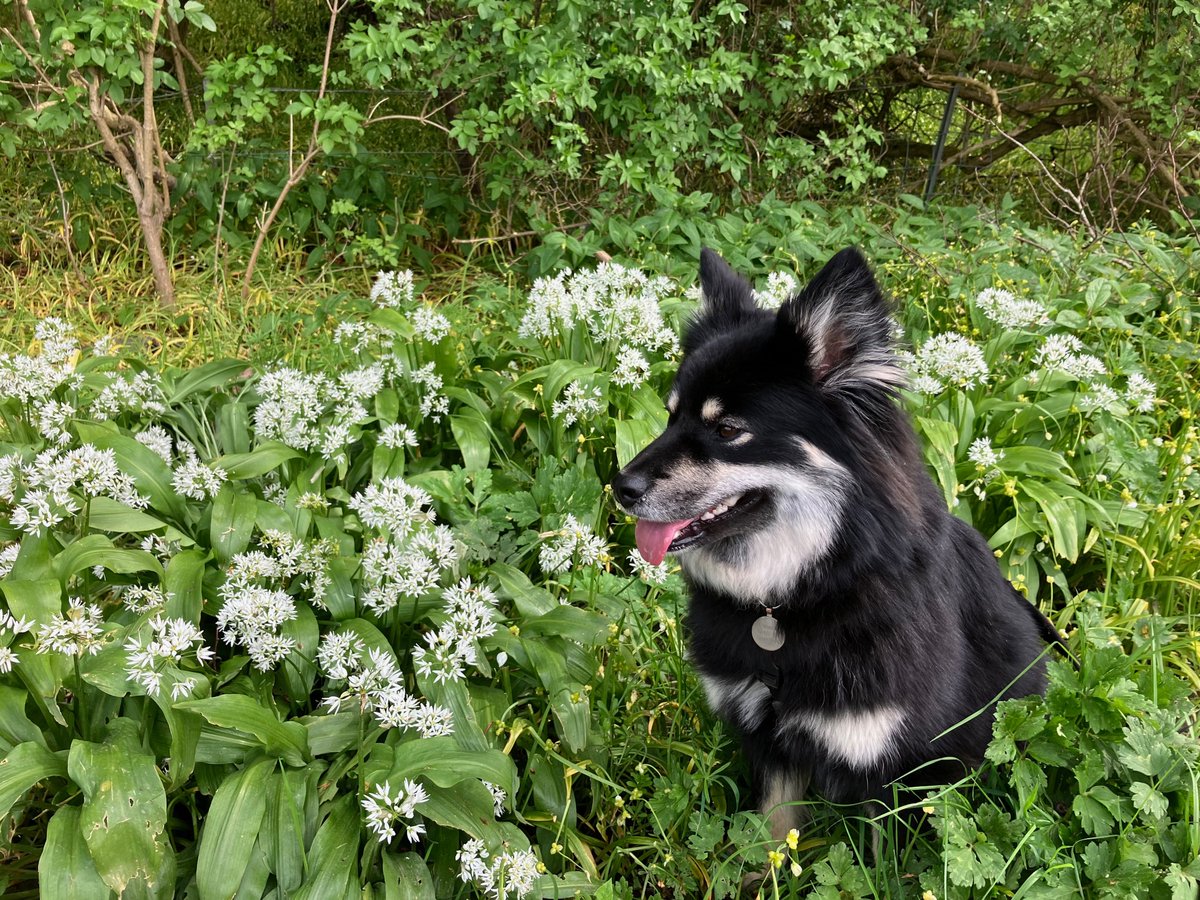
{"type": "Point", "coordinates": [364, 616]}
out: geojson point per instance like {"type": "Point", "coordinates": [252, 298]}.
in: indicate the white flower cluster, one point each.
{"type": "Point", "coordinates": [1140, 392]}
{"type": "Point", "coordinates": [292, 405]}
{"type": "Point", "coordinates": [192, 478]}
{"type": "Point", "coordinates": [578, 403]}
{"type": "Point", "coordinates": [35, 377]}
{"type": "Point", "coordinates": [254, 608]}
{"type": "Point", "coordinates": [157, 439]}
{"type": "Point", "coordinates": [8, 556]}
{"type": "Point", "coordinates": [429, 324]}
{"type": "Point", "coordinates": [780, 286]}
{"type": "Point", "coordinates": [385, 809]}
{"type": "Point", "coordinates": [947, 358]}
{"type": "Point", "coordinates": [499, 798]}
{"type": "Point", "coordinates": [53, 486]}
{"type": "Point", "coordinates": [612, 302]}
{"type": "Point", "coordinates": [408, 560]}
{"type": "Point", "coordinates": [510, 874]}
{"type": "Point", "coordinates": [571, 544]}
{"type": "Point", "coordinates": [314, 412]}
{"type": "Point", "coordinates": [632, 368]}
{"type": "Point", "coordinates": [1007, 310]}
{"type": "Point", "coordinates": [51, 418]}
{"type": "Point", "coordinates": [1064, 352]}
{"type": "Point", "coordinates": [358, 335]}
{"type": "Point", "coordinates": [454, 646]}
{"type": "Point", "coordinates": [135, 393]}
{"type": "Point", "coordinates": [141, 599]}
{"type": "Point", "coordinates": [376, 685]}
{"type": "Point", "coordinates": [393, 289]}
{"type": "Point", "coordinates": [170, 639]}
{"type": "Point", "coordinates": [395, 506]}
{"type": "Point", "coordinates": [396, 436]}
{"type": "Point", "coordinates": [10, 623]}
{"type": "Point", "coordinates": [254, 604]}
{"type": "Point", "coordinates": [159, 547]}
{"type": "Point", "coordinates": [983, 454]}
{"type": "Point", "coordinates": [433, 402]}
{"type": "Point", "coordinates": [78, 631]}
{"type": "Point", "coordinates": [649, 573]}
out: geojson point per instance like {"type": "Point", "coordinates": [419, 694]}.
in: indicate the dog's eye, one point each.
{"type": "Point", "coordinates": [727, 431]}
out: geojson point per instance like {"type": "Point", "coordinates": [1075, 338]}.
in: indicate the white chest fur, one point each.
{"type": "Point", "coordinates": [857, 738]}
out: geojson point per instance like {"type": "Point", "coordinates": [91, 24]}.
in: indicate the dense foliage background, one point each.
{"type": "Point", "coordinates": [310, 580]}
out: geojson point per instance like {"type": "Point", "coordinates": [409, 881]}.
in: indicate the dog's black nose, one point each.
{"type": "Point", "coordinates": [629, 488]}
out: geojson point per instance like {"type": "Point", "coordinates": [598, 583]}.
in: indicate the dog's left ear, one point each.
{"type": "Point", "coordinates": [846, 326]}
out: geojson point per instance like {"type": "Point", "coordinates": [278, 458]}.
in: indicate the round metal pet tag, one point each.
{"type": "Point", "coordinates": [767, 633]}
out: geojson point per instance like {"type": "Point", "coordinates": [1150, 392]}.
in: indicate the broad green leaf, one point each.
{"type": "Point", "coordinates": [297, 668]}
{"type": "Point", "coordinates": [282, 835]}
{"type": "Point", "coordinates": [185, 728]}
{"type": "Point", "coordinates": [286, 740]}
{"type": "Point", "coordinates": [572, 710]}
{"type": "Point", "coordinates": [332, 734]}
{"type": "Point", "coordinates": [37, 600]}
{"type": "Point", "coordinates": [516, 586]}
{"type": "Point", "coordinates": [1065, 531]}
{"type": "Point", "coordinates": [124, 812]}
{"type": "Point", "coordinates": [183, 583]}
{"type": "Point", "coordinates": [467, 806]}
{"type": "Point", "coordinates": [98, 550]}
{"type": "Point", "coordinates": [15, 726]}
{"type": "Point", "coordinates": [23, 767]}
{"type": "Point", "coordinates": [43, 675]}
{"type": "Point", "coordinates": [571, 622]}
{"type": "Point", "coordinates": [107, 671]}
{"type": "Point", "coordinates": [332, 860]}
{"type": "Point", "coordinates": [218, 373]}
{"type": "Point", "coordinates": [65, 869]}
{"type": "Point", "coordinates": [262, 459]}
{"type": "Point", "coordinates": [105, 514]}
{"type": "Point", "coordinates": [230, 830]}
{"type": "Point", "coordinates": [232, 524]}
{"type": "Point", "coordinates": [473, 435]}
{"type": "Point", "coordinates": [453, 695]}
{"type": "Point", "coordinates": [440, 761]}
{"type": "Point", "coordinates": [339, 595]}
{"type": "Point", "coordinates": [406, 877]}
{"type": "Point", "coordinates": [632, 435]}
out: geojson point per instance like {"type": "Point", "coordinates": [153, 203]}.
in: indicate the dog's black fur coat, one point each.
{"type": "Point", "coordinates": [903, 608]}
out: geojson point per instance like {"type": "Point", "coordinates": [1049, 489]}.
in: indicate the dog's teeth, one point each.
{"type": "Point", "coordinates": [732, 500]}
{"type": "Point", "coordinates": [708, 515]}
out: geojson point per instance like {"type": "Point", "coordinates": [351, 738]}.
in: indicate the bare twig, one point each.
{"type": "Point", "coordinates": [297, 172]}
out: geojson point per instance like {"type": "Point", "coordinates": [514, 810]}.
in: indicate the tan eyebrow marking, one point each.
{"type": "Point", "coordinates": [711, 410]}
{"type": "Point", "coordinates": [673, 402]}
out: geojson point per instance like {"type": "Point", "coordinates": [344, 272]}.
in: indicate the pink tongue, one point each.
{"type": "Point", "coordinates": [653, 538]}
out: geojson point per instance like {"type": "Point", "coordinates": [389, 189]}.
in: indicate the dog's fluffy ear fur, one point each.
{"type": "Point", "coordinates": [726, 300]}
{"type": "Point", "coordinates": [846, 326]}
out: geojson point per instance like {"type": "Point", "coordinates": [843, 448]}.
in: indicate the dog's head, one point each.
{"type": "Point", "coordinates": [750, 480]}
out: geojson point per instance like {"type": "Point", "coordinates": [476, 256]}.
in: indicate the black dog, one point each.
{"type": "Point", "coordinates": [842, 621]}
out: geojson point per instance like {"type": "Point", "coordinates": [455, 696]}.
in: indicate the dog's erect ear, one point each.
{"type": "Point", "coordinates": [725, 295]}
{"type": "Point", "coordinates": [726, 300]}
{"type": "Point", "coordinates": [846, 326]}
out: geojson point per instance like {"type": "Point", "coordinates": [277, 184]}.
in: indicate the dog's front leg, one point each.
{"type": "Point", "coordinates": [780, 793]}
